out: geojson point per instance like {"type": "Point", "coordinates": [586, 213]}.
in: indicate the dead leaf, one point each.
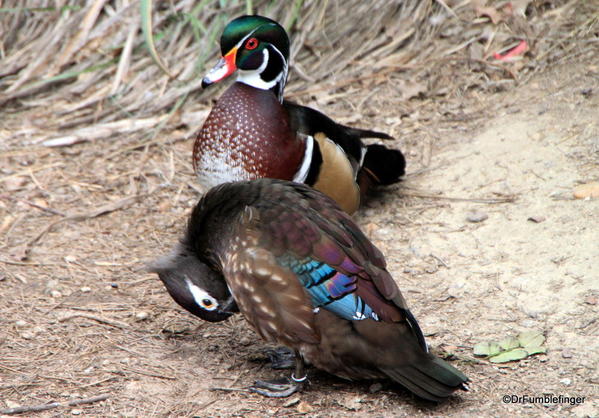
{"type": "Point", "coordinates": [588, 190]}
{"type": "Point", "coordinates": [304, 408]}
{"type": "Point", "coordinates": [490, 12]}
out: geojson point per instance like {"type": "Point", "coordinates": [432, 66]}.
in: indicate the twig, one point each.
{"type": "Point", "coordinates": [440, 260]}
{"type": "Point", "coordinates": [216, 388]}
{"type": "Point", "coordinates": [20, 263]}
{"type": "Point", "coordinates": [116, 324]}
{"type": "Point", "coordinates": [31, 170]}
{"type": "Point", "coordinates": [509, 199]}
{"type": "Point", "coordinates": [103, 130]}
{"type": "Point", "coordinates": [32, 204]}
{"type": "Point", "coordinates": [104, 209]}
{"type": "Point", "coordinates": [150, 374]}
{"type": "Point", "coordinates": [45, 407]}
{"type": "Point", "coordinates": [449, 9]}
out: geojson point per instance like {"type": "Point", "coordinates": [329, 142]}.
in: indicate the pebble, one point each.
{"type": "Point", "coordinates": [587, 191]}
{"type": "Point", "coordinates": [76, 412]}
{"type": "Point", "coordinates": [476, 216]}
{"type": "Point", "coordinates": [536, 219]}
{"type": "Point", "coordinates": [55, 294]}
{"type": "Point", "coordinates": [566, 353]}
{"type": "Point", "coordinates": [566, 381]}
{"type": "Point", "coordinates": [141, 316]}
{"type": "Point", "coordinates": [431, 269]}
{"type": "Point", "coordinates": [86, 289]}
{"type": "Point", "coordinates": [11, 404]}
{"type": "Point", "coordinates": [20, 323]}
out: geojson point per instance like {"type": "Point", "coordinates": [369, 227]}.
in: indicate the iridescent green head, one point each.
{"type": "Point", "coordinates": [259, 48]}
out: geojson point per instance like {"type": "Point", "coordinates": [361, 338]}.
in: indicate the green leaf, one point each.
{"type": "Point", "coordinates": [509, 343]}
{"type": "Point", "coordinates": [531, 339]}
{"type": "Point", "coordinates": [512, 355]}
{"type": "Point", "coordinates": [535, 350]}
{"type": "Point", "coordinates": [487, 349]}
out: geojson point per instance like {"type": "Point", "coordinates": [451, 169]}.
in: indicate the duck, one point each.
{"type": "Point", "coordinates": [253, 132]}
{"type": "Point", "coordinates": [305, 277]}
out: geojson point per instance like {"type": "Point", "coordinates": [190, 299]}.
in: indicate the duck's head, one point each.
{"type": "Point", "coordinates": [194, 285]}
{"type": "Point", "coordinates": [258, 48]}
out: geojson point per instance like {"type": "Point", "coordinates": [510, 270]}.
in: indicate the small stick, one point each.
{"type": "Point", "coordinates": [32, 204]}
{"type": "Point", "coordinates": [509, 199]}
{"type": "Point", "coordinates": [440, 260]}
{"type": "Point", "coordinates": [213, 389]}
{"type": "Point", "coordinates": [149, 374]}
{"type": "Point", "coordinates": [110, 322]}
{"type": "Point", "coordinates": [45, 407]}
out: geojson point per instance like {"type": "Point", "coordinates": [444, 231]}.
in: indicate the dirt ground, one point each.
{"type": "Point", "coordinates": [79, 317]}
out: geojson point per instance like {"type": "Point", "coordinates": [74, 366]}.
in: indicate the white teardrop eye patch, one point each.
{"type": "Point", "coordinates": [201, 297]}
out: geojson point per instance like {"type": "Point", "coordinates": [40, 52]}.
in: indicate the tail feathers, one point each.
{"type": "Point", "coordinates": [416, 329]}
{"type": "Point", "coordinates": [365, 133]}
{"type": "Point", "coordinates": [384, 164]}
{"type": "Point", "coordinates": [432, 378]}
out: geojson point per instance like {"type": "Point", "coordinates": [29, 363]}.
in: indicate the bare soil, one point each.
{"type": "Point", "coordinates": [79, 317]}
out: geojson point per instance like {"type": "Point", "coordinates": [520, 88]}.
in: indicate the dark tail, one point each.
{"type": "Point", "coordinates": [365, 133]}
{"type": "Point", "coordinates": [384, 165]}
{"type": "Point", "coordinates": [430, 378]}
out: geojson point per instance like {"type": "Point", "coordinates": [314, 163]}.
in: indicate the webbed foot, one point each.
{"type": "Point", "coordinates": [278, 388]}
{"type": "Point", "coordinates": [281, 388]}
{"type": "Point", "coordinates": [281, 358]}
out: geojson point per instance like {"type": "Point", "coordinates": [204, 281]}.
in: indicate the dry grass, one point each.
{"type": "Point", "coordinates": [87, 75]}
{"type": "Point", "coordinates": [78, 222]}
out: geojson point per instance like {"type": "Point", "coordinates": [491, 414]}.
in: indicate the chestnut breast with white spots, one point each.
{"type": "Point", "coordinates": [246, 136]}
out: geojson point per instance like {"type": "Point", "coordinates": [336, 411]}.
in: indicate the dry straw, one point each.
{"type": "Point", "coordinates": [87, 72]}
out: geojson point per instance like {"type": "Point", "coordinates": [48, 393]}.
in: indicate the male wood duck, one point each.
{"type": "Point", "coordinates": [304, 276]}
{"type": "Point", "coordinates": [252, 132]}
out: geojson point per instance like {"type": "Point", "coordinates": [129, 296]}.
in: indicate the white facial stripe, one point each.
{"type": "Point", "coordinates": [283, 75]}
{"type": "Point", "coordinates": [302, 173]}
{"type": "Point", "coordinates": [252, 77]}
{"type": "Point", "coordinates": [199, 295]}
{"type": "Point", "coordinates": [244, 39]}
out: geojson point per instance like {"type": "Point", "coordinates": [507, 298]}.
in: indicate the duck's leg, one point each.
{"type": "Point", "coordinates": [281, 388]}
{"type": "Point", "coordinates": [281, 357]}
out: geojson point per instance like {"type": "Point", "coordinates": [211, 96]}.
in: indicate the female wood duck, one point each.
{"type": "Point", "coordinates": [252, 132]}
{"type": "Point", "coordinates": [304, 276]}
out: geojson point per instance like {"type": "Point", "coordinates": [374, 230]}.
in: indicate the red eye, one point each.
{"type": "Point", "coordinates": [252, 43]}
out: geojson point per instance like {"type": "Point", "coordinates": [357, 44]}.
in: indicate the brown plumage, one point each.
{"type": "Point", "coordinates": [305, 276]}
